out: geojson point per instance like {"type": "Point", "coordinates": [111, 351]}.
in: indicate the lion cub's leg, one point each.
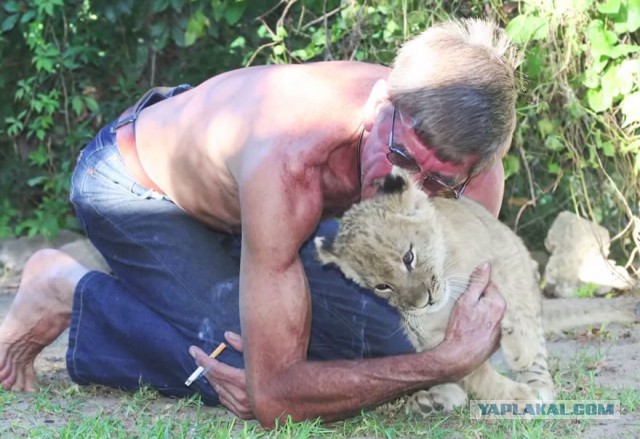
{"type": "Point", "coordinates": [486, 383]}
{"type": "Point", "coordinates": [438, 400]}
{"type": "Point", "coordinates": [523, 343]}
{"type": "Point", "coordinates": [537, 375]}
{"type": "Point", "coordinates": [519, 340]}
{"type": "Point", "coordinates": [521, 321]}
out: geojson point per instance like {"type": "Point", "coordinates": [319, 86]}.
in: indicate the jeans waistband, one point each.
{"type": "Point", "coordinates": [124, 129]}
{"type": "Point", "coordinates": [151, 97]}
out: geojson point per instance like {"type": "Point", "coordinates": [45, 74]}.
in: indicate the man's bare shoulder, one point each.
{"type": "Point", "coordinates": [349, 68]}
{"type": "Point", "coordinates": [320, 69]}
{"type": "Point", "coordinates": [285, 118]}
{"type": "Point", "coordinates": [350, 79]}
{"type": "Point", "coordinates": [283, 109]}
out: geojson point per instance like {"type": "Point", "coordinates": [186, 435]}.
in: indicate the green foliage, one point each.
{"type": "Point", "coordinates": [587, 291]}
{"type": "Point", "coordinates": [578, 136]}
{"type": "Point", "coordinates": [69, 66]}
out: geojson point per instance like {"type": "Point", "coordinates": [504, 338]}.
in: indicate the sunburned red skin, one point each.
{"type": "Point", "coordinates": [376, 166]}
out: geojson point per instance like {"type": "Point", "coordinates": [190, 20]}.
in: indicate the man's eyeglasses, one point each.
{"type": "Point", "coordinates": [434, 184]}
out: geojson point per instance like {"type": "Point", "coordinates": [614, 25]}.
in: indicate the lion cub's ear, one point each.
{"type": "Point", "coordinates": [399, 182]}
{"type": "Point", "coordinates": [327, 254]}
{"type": "Point", "coordinates": [324, 248]}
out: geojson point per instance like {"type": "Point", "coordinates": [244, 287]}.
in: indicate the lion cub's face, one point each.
{"type": "Point", "coordinates": [392, 244]}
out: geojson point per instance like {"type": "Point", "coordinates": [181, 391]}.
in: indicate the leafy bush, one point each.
{"type": "Point", "coordinates": [68, 66]}
{"type": "Point", "coordinates": [577, 144]}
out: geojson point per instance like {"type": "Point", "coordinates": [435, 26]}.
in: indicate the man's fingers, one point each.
{"type": "Point", "coordinates": [234, 340]}
{"type": "Point", "coordinates": [224, 372]}
{"type": "Point", "coordinates": [231, 391]}
{"type": "Point", "coordinates": [241, 412]}
{"type": "Point", "coordinates": [229, 378]}
{"type": "Point", "coordinates": [237, 406]}
{"type": "Point", "coordinates": [238, 395]}
{"type": "Point", "coordinates": [217, 371]}
{"type": "Point", "coordinates": [493, 297]}
{"type": "Point", "coordinates": [201, 357]}
{"type": "Point", "coordinates": [229, 382]}
{"type": "Point", "coordinates": [479, 280]}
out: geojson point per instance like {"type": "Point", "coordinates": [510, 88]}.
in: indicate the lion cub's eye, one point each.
{"type": "Point", "coordinates": [383, 288]}
{"type": "Point", "coordinates": [408, 258]}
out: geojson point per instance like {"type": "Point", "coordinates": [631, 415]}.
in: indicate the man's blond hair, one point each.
{"type": "Point", "coordinates": [457, 81]}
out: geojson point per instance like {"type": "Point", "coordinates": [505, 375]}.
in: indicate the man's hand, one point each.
{"type": "Point", "coordinates": [227, 381]}
{"type": "Point", "coordinates": [474, 326]}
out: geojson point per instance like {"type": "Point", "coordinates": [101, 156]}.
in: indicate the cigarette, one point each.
{"type": "Point", "coordinates": [200, 370]}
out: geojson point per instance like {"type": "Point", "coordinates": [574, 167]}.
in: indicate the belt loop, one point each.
{"type": "Point", "coordinates": [125, 120]}
{"type": "Point", "coordinates": [142, 102]}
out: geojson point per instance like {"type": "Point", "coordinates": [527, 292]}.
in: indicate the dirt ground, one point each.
{"type": "Point", "coordinates": [618, 368]}
{"type": "Point", "coordinates": [619, 354]}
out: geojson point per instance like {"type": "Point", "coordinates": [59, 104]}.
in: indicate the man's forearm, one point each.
{"type": "Point", "coordinates": [335, 390]}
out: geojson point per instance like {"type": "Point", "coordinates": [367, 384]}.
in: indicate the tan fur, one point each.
{"type": "Point", "coordinates": [448, 240]}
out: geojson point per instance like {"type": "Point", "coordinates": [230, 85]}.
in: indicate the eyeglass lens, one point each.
{"type": "Point", "coordinates": [432, 184]}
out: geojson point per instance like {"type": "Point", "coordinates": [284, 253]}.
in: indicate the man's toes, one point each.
{"type": "Point", "coordinates": [20, 380]}
{"type": "Point", "coordinates": [29, 381]}
{"type": "Point", "coordinates": [8, 384]}
{"type": "Point", "coordinates": [15, 382]}
{"type": "Point", "coordinates": [30, 387]}
{"type": "Point", "coordinates": [18, 383]}
{"type": "Point", "coordinates": [5, 371]}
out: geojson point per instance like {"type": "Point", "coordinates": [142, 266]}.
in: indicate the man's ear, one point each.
{"type": "Point", "coordinates": [378, 98]}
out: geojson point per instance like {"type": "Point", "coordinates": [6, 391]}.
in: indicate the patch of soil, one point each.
{"type": "Point", "coordinates": [616, 354]}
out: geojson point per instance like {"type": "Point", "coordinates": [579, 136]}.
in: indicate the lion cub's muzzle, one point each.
{"type": "Point", "coordinates": [422, 300]}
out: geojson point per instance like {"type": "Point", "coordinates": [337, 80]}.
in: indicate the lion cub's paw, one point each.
{"type": "Point", "coordinates": [518, 357]}
{"type": "Point", "coordinates": [521, 392]}
{"type": "Point", "coordinates": [438, 400]}
{"type": "Point", "coordinates": [543, 392]}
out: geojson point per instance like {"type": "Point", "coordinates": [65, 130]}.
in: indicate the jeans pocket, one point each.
{"type": "Point", "coordinates": [151, 194]}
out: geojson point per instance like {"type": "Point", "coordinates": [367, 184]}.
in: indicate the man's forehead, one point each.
{"type": "Point", "coordinates": [427, 156]}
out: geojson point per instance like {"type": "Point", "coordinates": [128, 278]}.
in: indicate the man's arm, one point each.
{"type": "Point", "coordinates": [462, 334]}
{"type": "Point", "coordinates": [280, 209]}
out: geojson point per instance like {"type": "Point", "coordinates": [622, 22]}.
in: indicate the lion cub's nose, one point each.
{"type": "Point", "coordinates": [421, 298]}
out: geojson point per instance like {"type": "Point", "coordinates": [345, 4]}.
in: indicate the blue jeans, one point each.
{"type": "Point", "coordinates": [175, 284]}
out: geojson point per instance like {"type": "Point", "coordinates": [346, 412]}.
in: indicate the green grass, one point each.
{"type": "Point", "coordinates": [64, 410]}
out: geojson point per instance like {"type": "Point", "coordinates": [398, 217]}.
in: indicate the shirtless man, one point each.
{"type": "Point", "coordinates": [270, 152]}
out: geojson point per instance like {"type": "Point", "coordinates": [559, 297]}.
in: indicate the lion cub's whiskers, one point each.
{"type": "Point", "coordinates": [451, 262]}
{"type": "Point", "coordinates": [457, 286]}
{"type": "Point", "coordinates": [404, 324]}
{"type": "Point", "coordinates": [414, 322]}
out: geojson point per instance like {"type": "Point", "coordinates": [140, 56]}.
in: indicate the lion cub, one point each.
{"type": "Point", "coordinates": [419, 253]}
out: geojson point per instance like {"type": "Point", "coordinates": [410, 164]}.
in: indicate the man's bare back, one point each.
{"type": "Point", "coordinates": [214, 135]}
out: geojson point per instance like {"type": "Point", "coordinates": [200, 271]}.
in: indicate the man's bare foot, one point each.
{"type": "Point", "coordinates": [40, 312]}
